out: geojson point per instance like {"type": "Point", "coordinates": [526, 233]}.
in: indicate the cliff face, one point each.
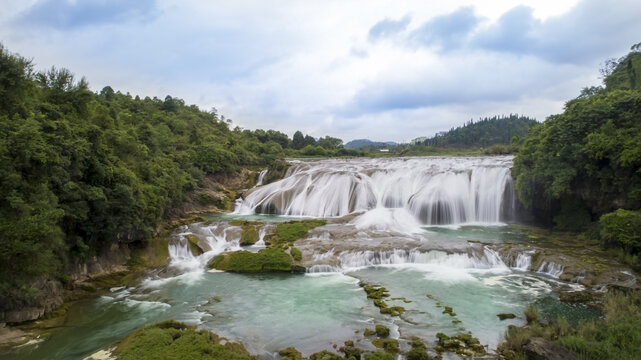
{"type": "Point", "coordinates": [49, 294]}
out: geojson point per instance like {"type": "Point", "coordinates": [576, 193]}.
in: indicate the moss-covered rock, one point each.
{"type": "Point", "coordinates": [448, 310]}
{"type": "Point", "coordinates": [463, 344]}
{"type": "Point", "coordinates": [377, 293]}
{"type": "Point", "coordinates": [389, 345]}
{"type": "Point", "coordinates": [290, 353]}
{"type": "Point", "coordinates": [379, 356]}
{"type": "Point", "coordinates": [581, 296]}
{"type": "Point", "coordinates": [174, 340]}
{"type": "Point", "coordinates": [382, 330]}
{"type": "Point", "coordinates": [350, 351]}
{"type": "Point", "coordinates": [265, 260]}
{"type": "Point", "coordinates": [288, 232]}
{"type": "Point", "coordinates": [325, 355]}
{"type": "Point", "coordinates": [418, 350]}
{"type": "Point", "coordinates": [296, 254]}
{"type": "Point", "coordinates": [504, 316]}
{"type": "Point", "coordinates": [249, 235]}
{"type": "Point", "coordinates": [193, 244]}
{"type": "Point", "coordinates": [369, 332]}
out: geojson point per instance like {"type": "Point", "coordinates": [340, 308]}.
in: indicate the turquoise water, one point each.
{"type": "Point", "coordinates": [312, 312]}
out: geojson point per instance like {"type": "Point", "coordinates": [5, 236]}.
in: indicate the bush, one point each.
{"type": "Point", "coordinates": [621, 228]}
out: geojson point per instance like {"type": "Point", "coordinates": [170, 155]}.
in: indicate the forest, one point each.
{"type": "Point", "coordinates": [581, 170]}
{"type": "Point", "coordinates": [81, 170]}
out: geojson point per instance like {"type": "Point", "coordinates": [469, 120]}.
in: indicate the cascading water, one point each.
{"type": "Point", "coordinates": [432, 190]}
{"type": "Point", "coordinates": [484, 259]}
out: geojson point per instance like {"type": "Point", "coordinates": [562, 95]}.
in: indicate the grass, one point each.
{"type": "Point", "coordinates": [174, 340]}
{"type": "Point", "coordinates": [265, 260]}
{"type": "Point", "coordinates": [617, 336]}
{"type": "Point", "coordinates": [288, 232]}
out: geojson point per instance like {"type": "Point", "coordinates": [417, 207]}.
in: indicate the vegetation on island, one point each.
{"type": "Point", "coordinates": [275, 258]}
{"type": "Point", "coordinates": [175, 340]}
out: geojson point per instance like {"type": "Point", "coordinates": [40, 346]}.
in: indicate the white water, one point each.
{"type": "Point", "coordinates": [550, 268]}
{"type": "Point", "coordinates": [217, 238]}
{"type": "Point", "coordinates": [523, 261]}
{"type": "Point", "coordinates": [484, 260]}
{"type": "Point", "coordinates": [261, 176]}
{"type": "Point", "coordinates": [431, 190]}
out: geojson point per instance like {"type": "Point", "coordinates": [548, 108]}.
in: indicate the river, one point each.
{"type": "Point", "coordinates": [420, 227]}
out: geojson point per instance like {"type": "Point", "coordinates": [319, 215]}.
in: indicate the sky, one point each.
{"type": "Point", "coordinates": [383, 70]}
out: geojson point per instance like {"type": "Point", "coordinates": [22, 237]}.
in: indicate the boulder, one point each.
{"type": "Point", "coordinates": [538, 348]}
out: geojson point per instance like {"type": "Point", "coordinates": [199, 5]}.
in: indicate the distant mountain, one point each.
{"type": "Point", "coordinates": [484, 132]}
{"type": "Point", "coordinates": [360, 143]}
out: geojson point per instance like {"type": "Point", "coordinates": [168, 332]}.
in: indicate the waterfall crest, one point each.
{"type": "Point", "coordinates": [434, 190]}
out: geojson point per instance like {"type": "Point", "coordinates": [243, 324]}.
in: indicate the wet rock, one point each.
{"type": "Point", "coordinates": [504, 316]}
{"type": "Point", "coordinates": [539, 348]}
{"type": "Point", "coordinates": [382, 330]}
{"type": "Point", "coordinates": [584, 296]}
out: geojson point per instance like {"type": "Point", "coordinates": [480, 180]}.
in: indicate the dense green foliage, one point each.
{"type": "Point", "coordinates": [174, 340]}
{"type": "Point", "coordinates": [80, 171]}
{"type": "Point", "coordinates": [586, 161]}
{"type": "Point", "coordinates": [484, 132]}
{"type": "Point", "coordinates": [617, 336]}
{"type": "Point", "coordinates": [621, 228]}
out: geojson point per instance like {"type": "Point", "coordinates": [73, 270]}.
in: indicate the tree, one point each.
{"type": "Point", "coordinates": [298, 141]}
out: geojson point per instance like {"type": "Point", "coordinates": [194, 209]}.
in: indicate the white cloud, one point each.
{"type": "Point", "coordinates": [314, 65]}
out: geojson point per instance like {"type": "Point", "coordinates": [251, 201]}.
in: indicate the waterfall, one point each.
{"type": "Point", "coordinates": [551, 268]}
{"type": "Point", "coordinates": [261, 176]}
{"type": "Point", "coordinates": [523, 261]}
{"type": "Point", "coordinates": [432, 190]}
{"type": "Point", "coordinates": [217, 239]}
{"type": "Point", "coordinates": [484, 259]}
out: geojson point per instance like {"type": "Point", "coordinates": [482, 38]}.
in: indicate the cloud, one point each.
{"type": "Point", "coordinates": [514, 32]}
{"type": "Point", "coordinates": [388, 27]}
{"type": "Point", "coordinates": [447, 31]}
{"type": "Point", "coordinates": [376, 69]}
{"type": "Point", "coordinates": [68, 14]}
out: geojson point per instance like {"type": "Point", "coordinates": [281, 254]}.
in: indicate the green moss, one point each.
{"type": "Point", "coordinates": [389, 345]}
{"type": "Point", "coordinates": [350, 351]}
{"type": "Point", "coordinates": [369, 332]}
{"type": "Point", "coordinates": [448, 310]}
{"type": "Point", "coordinates": [382, 330]}
{"type": "Point", "coordinates": [296, 254]}
{"type": "Point", "coordinates": [174, 340]}
{"type": "Point", "coordinates": [325, 355]}
{"type": "Point", "coordinates": [193, 244]}
{"type": "Point", "coordinates": [290, 353]}
{"type": "Point", "coordinates": [418, 351]}
{"type": "Point", "coordinates": [114, 279]}
{"type": "Point", "coordinates": [265, 260]}
{"type": "Point", "coordinates": [249, 235]}
{"type": "Point", "coordinates": [460, 344]}
{"type": "Point", "coordinates": [377, 293]}
{"type": "Point", "coordinates": [503, 316]}
{"type": "Point", "coordinates": [291, 231]}
{"type": "Point", "coordinates": [378, 356]}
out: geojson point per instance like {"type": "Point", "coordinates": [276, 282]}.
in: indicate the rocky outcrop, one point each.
{"type": "Point", "coordinates": [112, 259]}
{"type": "Point", "coordinates": [49, 294]}
{"type": "Point", "coordinates": [539, 348]}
